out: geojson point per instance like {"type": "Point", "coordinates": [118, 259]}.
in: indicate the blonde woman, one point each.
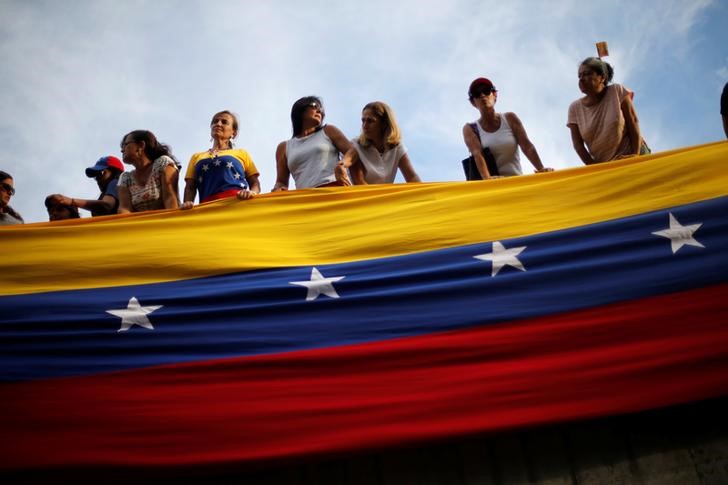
{"type": "Point", "coordinates": [378, 152]}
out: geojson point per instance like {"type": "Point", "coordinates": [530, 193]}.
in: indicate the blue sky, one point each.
{"type": "Point", "coordinates": [78, 75]}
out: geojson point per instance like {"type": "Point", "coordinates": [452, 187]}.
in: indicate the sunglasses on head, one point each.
{"type": "Point", "coordinates": [8, 188]}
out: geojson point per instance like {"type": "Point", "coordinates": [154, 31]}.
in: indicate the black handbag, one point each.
{"type": "Point", "coordinates": [469, 166]}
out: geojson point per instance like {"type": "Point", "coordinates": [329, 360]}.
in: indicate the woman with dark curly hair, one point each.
{"type": "Point", "coordinates": [312, 154]}
{"type": "Point", "coordinates": [153, 182]}
{"type": "Point", "coordinates": [603, 123]}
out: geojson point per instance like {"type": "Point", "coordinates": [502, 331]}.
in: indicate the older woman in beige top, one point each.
{"type": "Point", "coordinates": [603, 123]}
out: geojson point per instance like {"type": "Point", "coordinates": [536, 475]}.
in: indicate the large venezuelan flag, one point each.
{"type": "Point", "coordinates": [337, 320]}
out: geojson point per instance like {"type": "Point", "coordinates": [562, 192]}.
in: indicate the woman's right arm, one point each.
{"type": "Point", "coordinates": [190, 192]}
{"type": "Point", "coordinates": [282, 173]}
{"type": "Point", "coordinates": [473, 144]}
{"type": "Point", "coordinates": [124, 199]}
{"type": "Point", "coordinates": [579, 147]}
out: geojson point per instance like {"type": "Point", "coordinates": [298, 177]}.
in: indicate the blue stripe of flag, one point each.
{"type": "Point", "coordinates": [261, 312]}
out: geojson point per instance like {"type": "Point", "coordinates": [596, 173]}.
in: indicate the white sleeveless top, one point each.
{"type": "Point", "coordinates": [381, 168]}
{"type": "Point", "coordinates": [312, 160]}
{"type": "Point", "coordinates": [502, 144]}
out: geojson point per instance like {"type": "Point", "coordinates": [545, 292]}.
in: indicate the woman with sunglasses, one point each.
{"type": "Point", "coordinates": [378, 152]}
{"type": "Point", "coordinates": [152, 184]}
{"type": "Point", "coordinates": [222, 171]}
{"type": "Point", "coordinates": [312, 154]}
{"type": "Point", "coordinates": [8, 216]}
{"type": "Point", "coordinates": [501, 133]}
{"type": "Point", "coordinates": [603, 123]}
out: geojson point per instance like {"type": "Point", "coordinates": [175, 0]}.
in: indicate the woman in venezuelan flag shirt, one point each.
{"type": "Point", "coordinates": [222, 171]}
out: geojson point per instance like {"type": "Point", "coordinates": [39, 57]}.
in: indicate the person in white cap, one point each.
{"type": "Point", "coordinates": [106, 171]}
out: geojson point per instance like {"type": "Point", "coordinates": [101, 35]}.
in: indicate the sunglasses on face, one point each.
{"type": "Point", "coordinates": [484, 91]}
{"type": "Point", "coordinates": [8, 188]}
{"type": "Point", "coordinates": [315, 106]}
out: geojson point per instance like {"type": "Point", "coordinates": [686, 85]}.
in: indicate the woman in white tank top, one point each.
{"type": "Point", "coordinates": [311, 156]}
{"type": "Point", "coordinates": [502, 133]}
{"type": "Point", "coordinates": [378, 153]}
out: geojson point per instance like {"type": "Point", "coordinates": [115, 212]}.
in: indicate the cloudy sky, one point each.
{"type": "Point", "coordinates": [77, 75]}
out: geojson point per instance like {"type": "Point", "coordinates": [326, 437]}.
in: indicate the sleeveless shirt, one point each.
{"type": "Point", "coordinates": [502, 144]}
{"type": "Point", "coordinates": [312, 160]}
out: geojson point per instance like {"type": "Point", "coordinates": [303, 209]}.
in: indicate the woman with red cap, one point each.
{"type": "Point", "coordinates": [501, 133]}
{"type": "Point", "coordinates": [603, 123]}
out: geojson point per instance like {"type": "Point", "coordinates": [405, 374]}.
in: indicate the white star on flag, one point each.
{"type": "Point", "coordinates": [217, 162]}
{"type": "Point", "coordinates": [319, 284]}
{"type": "Point", "coordinates": [680, 235]}
{"type": "Point", "coordinates": [134, 314]}
{"type": "Point", "coordinates": [236, 175]}
{"type": "Point", "coordinates": [205, 167]}
{"type": "Point", "coordinates": [229, 164]}
{"type": "Point", "coordinates": [502, 257]}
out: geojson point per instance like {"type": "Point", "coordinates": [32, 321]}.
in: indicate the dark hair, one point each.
{"type": "Point", "coordinates": [235, 122]}
{"type": "Point", "coordinates": [49, 202]}
{"type": "Point", "coordinates": [8, 209]}
{"type": "Point", "coordinates": [297, 112]}
{"type": "Point", "coordinates": [600, 67]}
{"type": "Point", "coordinates": [152, 148]}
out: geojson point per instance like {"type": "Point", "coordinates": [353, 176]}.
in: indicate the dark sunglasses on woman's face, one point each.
{"type": "Point", "coordinates": [478, 93]}
{"type": "Point", "coordinates": [315, 106]}
{"type": "Point", "coordinates": [8, 188]}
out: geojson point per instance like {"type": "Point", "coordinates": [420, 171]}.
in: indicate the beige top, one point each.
{"type": "Point", "coordinates": [602, 125]}
{"type": "Point", "coordinates": [381, 168]}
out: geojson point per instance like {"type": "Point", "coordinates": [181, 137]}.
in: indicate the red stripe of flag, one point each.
{"type": "Point", "coordinates": [620, 358]}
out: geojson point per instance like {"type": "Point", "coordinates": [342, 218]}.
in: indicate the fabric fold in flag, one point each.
{"type": "Point", "coordinates": [270, 327]}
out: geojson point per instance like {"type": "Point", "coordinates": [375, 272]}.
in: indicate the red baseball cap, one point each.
{"type": "Point", "coordinates": [480, 84]}
{"type": "Point", "coordinates": [103, 163]}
